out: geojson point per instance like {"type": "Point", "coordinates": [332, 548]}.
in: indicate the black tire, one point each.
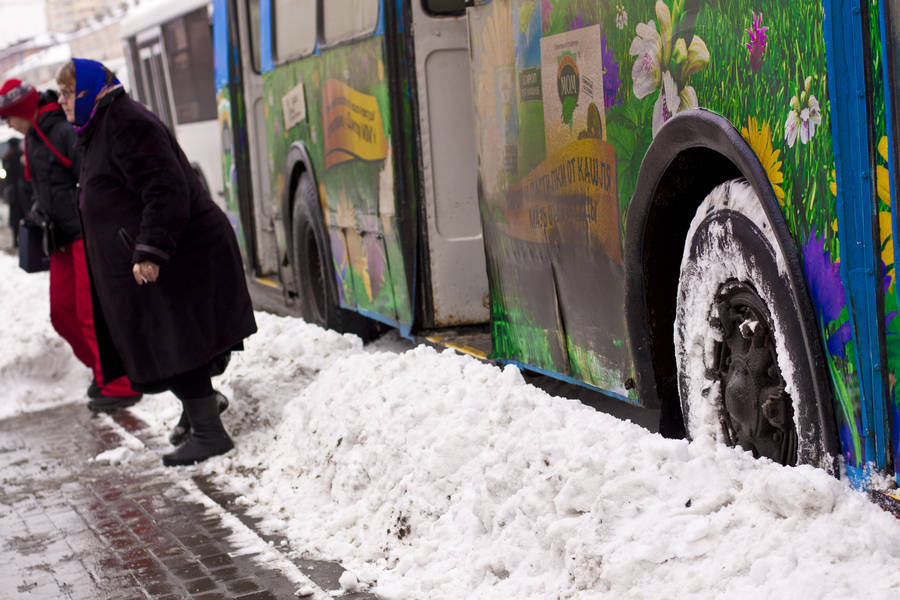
{"type": "Point", "coordinates": [747, 374]}
{"type": "Point", "coordinates": [313, 271]}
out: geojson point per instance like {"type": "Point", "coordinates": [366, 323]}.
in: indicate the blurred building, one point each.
{"type": "Point", "coordinates": [16, 53]}
{"type": "Point", "coordinates": [99, 40]}
{"type": "Point", "coordinates": [70, 15]}
{"type": "Point", "coordinates": [38, 60]}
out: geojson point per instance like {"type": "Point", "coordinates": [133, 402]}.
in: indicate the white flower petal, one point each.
{"type": "Point", "coordinates": [645, 74]}
{"type": "Point", "coordinates": [647, 31]}
{"type": "Point", "coordinates": [673, 100]}
{"type": "Point", "coordinates": [659, 116]}
{"type": "Point", "coordinates": [791, 127]}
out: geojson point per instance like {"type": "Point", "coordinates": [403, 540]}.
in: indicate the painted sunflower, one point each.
{"type": "Point", "coordinates": [760, 139]}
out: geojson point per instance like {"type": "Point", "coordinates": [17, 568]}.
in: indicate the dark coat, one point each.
{"type": "Point", "coordinates": [17, 191]}
{"type": "Point", "coordinates": [140, 200]}
{"type": "Point", "coordinates": [53, 183]}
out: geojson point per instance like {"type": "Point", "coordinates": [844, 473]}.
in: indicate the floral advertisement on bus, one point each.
{"type": "Point", "coordinates": [348, 128]}
{"type": "Point", "coordinates": [569, 95]}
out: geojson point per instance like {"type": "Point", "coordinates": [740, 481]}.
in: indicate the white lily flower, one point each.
{"type": "Point", "coordinates": [802, 121]}
{"type": "Point", "coordinates": [621, 17]}
{"type": "Point", "coordinates": [665, 63]}
{"type": "Point", "coordinates": [646, 71]}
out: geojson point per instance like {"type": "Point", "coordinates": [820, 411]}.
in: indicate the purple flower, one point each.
{"type": "Point", "coordinates": [546, 9]}
{"type": "Point", "coordinates": [757, 44]}
{"type": "Point", "coordinates": [837, 341]}
{"type": "Point", "coordinates": [824, 277]}
{"type": "Point", "coordinates": [610, 74]}
{"type": "Point", "coordinates": [578, 23]}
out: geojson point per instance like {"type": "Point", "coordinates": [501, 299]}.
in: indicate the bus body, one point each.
{"type": "Point", "coordinates": [584, 178]}
{"type": "Point", "coordinates": [168, 49]}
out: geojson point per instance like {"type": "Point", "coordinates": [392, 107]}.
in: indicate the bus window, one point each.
{"type": "Point", "coordinates": [444, 7]}
{"type": "Point", "coordinates": [133, 65]}
{"type": "Point", "coordinates": [189, 52]}
{"type": "Point", "coordinates": [348, 19]}
{"type": "Point", "coordinates": [155, 84]}
{"type": "Point", "coordinates": [294, 28]}
{"type": "Point", "coordinates": [253, 10]}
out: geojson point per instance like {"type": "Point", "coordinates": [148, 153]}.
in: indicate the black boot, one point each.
{"type": "Point", "coordinates": [94, 390]}
{"type": "Point", "coordinates": [208, 437]}
{"type": "Point", "coordinates": [182, 430]}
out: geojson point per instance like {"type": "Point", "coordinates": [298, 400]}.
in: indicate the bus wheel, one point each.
{"type": "Point", "coordinates": [313, 270]}
{"type": "Point", "coordinates": [744, 373]}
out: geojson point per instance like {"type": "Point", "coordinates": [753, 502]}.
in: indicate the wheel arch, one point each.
{"type": "Point", "coordinates": [296, 165]}
{"type": "Point", "coordinates": [691, 154]}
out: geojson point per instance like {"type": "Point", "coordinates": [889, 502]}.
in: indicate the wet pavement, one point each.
{"type": "Point", "coordinates": [76, 523]}
{"type": "Point", "coordinates": [87, 512]}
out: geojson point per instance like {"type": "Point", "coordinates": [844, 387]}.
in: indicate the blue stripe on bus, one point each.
{"type": "Point", "coordinates": [266, 60]}
{"type": "Point", "coordinates": [850, 127]}
{"type": "Point", "coordinates": [402, 328]}
{"type": "Point", "coordinates": [379, 29]}
{"type": "Point", "coordinates": [220, 43]}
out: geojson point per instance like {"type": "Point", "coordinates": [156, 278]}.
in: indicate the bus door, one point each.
{"type": "Point", "coordinates": [265, 205]}
{"type": "Point", "coordinates": [231, 116]}
{"type": "Point", "coordinates": [449, 167]}
{"type": "Point", "coordinates": [152, 72]}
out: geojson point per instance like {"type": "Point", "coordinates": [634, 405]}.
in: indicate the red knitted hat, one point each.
{"type": "Point", "coordinates": [18, 99]}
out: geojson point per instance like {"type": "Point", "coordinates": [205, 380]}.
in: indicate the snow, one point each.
{"type": "Point", "coordinates": [430, 475]}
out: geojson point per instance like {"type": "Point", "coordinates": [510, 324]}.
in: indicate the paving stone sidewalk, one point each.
{"type": "Point", "coordinates": [76, 528]}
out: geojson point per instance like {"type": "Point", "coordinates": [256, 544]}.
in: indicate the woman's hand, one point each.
{"type": "Point", "coordinates": [145, 272]}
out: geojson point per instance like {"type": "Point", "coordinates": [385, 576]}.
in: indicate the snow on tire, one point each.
{"type": "Point", "coordinates": [739, 355]}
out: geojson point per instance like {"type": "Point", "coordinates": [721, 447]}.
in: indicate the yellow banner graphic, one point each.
{"type": "Point", "coordinates": [569, 198]}
{"type": "Point", "coordinates": [352, 123]}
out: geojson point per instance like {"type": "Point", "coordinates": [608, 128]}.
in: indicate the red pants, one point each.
{"type": "Point", "coordinates": [72, 314]}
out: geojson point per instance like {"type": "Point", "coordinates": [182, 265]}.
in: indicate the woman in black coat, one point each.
{"type": "Point", "coordinates": [51, 166]}
{"type": "Point", "coordinates": [170, 297]}
{"type": "Point", "coordinates": [16, 189]}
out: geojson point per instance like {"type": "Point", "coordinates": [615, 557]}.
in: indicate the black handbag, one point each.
{"type": "Point", "coordinates": [35, 246]}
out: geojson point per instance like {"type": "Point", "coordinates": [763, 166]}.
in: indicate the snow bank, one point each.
{"type": "Point", "coordinates": [431, 475]}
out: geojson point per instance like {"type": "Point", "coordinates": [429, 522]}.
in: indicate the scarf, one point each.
{"type": "Point", "coordinates": [90, 86]}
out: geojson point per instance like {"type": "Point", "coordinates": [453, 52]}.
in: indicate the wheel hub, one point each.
{"type": "Point", "coordinates": [756, 412]}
